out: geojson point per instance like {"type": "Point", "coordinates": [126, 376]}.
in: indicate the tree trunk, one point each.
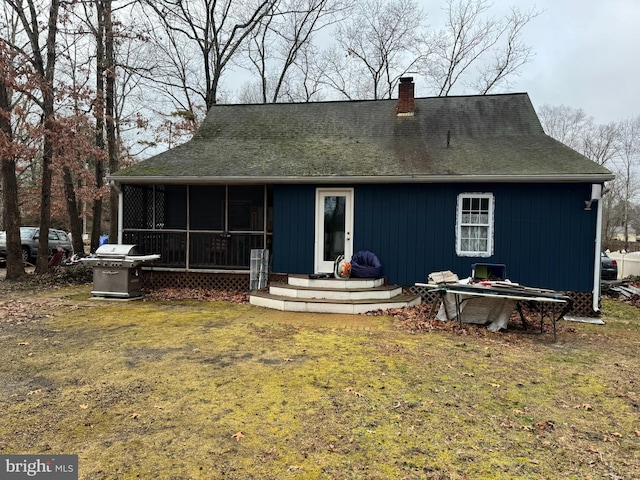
{"type": "Point", "coordinates": [42, 262]}
{"type": "Point", "coordinates": [48, 98]}
{"type": "Point", "coordinates": [110, 119]}
{"type": "Point", "coordinates": [99, 113]}
{"type": "Point", "coordinates": [73, 211]}
{"type": "Point", "coordinates": [11, 211]}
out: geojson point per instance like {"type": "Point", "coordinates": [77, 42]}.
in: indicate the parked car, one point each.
{"type": "Point", "coordinates": [29, 238]}
{"type": "Point", "coordinates": [608, 267]}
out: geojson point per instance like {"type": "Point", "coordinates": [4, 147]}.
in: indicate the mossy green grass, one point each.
{"type": "Point", "coordinates": [204, 390]}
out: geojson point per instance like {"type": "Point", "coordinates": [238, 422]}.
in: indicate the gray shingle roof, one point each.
{"type": "Point", "coordinates": [490, 137]}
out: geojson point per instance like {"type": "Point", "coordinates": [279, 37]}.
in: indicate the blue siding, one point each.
{"type": "Point", "coordinates": [293, 228]}
{"type": "Point", "coordinates": [542, 232]}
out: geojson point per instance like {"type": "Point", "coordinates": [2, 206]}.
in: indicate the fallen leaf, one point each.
{"type": "Point", "coordinates": [238, 436]}
{"type": "Point", "coordinates": [84, 406]}
{"type": "Point", "coordinates": [468, 374]}
{"type": "Point", "coordinates": [495, 385]}
{"type": "Point", "coordinates": [352, 390]}
{"type": "Point", "coordinates": [294, 468]}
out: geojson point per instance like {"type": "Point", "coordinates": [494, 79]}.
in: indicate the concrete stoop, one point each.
{"type": "Point", "coordinates": [332, 295]}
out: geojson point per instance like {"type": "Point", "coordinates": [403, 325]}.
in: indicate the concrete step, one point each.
{"type": "Point", "coordinates": [318, 305]}
{"type": "Point", "coordinates": [383, 292]}
{"type": "Point", "coordinates": [335, 283]}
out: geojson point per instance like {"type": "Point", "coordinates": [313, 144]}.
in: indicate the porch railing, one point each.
{"type": "Point", "coordinates": [203, 250]}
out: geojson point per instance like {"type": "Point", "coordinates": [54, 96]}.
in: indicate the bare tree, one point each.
{"type": "Point", "coordinates": [43, 60]}
{"type": "Point", "coordinates": [110, 114]}
{"type": "Point", "coordinates": [73, 79]}
{"type": "Point", "coordinates": [215, 29]}
{"type": "Point", "coordinates": [600, 142]}
{"type": "Point", "coordinates": [604, 144]}
{"type": "Point", "coordinates": [628, 157]}
{"type": "Point", "coordinates": [566, 124]}
{"type": "Point", "coordinates": [99, 114]}
{"type": "Point", "coordinates": [283, 41]}
{"type": "Point", "coordinates": [472, 38]}
{"type": "Point", "coordinates": [382, 41]}
{"type": "Point", "coordinates": [8, 154]}
{"type": "Point", "coordinates": [612, 210]}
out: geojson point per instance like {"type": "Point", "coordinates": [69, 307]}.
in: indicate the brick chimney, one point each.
{"type": "Point", "coordinates": [406, 102]}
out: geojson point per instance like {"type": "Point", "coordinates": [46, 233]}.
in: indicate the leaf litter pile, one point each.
{"type": "Point", "coordinates": [421, 318]}
{"type": "Point", "coordinates": [175, 388]}
{"type": "Point", "coordinates": [205, 294]}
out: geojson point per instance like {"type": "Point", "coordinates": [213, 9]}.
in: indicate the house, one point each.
{"type": "Point", "coordinates": [619, 234]}
{"type": "Point", "coordinates": [427, 184]}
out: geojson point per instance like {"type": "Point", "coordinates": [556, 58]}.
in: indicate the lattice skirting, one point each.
{"type": "Point", "coordinates": [153, 279]}
{"type": "Point", "coordinates": [582, 301]}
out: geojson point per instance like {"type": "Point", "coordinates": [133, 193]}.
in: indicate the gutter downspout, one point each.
{"type": "Point", "coordinates": [597, 265]}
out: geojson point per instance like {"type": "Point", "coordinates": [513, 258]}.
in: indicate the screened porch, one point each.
{"type": "Point", "coordinates": [198, 227]}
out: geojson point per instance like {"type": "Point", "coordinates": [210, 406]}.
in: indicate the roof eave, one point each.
{"type": "Point", "coordinates": [194, 180]}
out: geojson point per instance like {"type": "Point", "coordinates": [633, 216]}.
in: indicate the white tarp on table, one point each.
{"type": "Point", "coordinates": [482, 310]}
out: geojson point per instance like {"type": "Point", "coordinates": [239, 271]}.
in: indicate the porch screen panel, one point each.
{"type": "Point", "coordinates": [246, 208]}
{"type": "Point", "coordinates": [174, 206]}
{"type": "Point", "coordinates": [207, 207]}
{"type": "Point", "coordinates": [138, 206]}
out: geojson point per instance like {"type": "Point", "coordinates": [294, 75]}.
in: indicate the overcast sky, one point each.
{"type": "Point", "coordinates": [586, 55]}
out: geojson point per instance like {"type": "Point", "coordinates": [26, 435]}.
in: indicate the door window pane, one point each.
{"type": "Point", "coordinates": [334, 227]}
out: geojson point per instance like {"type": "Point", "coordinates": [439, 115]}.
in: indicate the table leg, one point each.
{"type": "Point", "coordinates": [458, 310]}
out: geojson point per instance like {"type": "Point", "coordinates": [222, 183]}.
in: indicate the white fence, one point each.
{"type": "Point", "coordinates": [628, 264]}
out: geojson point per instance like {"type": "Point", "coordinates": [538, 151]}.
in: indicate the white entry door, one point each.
{"type": "Point", "coordinates": [334, 227]}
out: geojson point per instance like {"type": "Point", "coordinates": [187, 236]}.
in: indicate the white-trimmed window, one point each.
{"type": "Point", "coordinates": [474, 225]}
